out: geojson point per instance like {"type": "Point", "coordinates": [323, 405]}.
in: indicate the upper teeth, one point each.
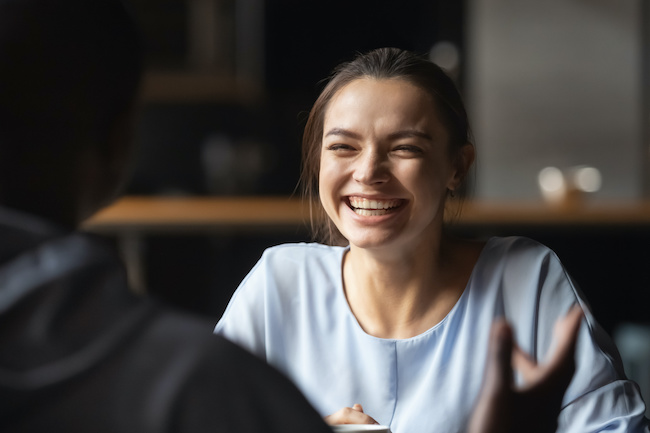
{"type": "Point", "coordinates": [362, 203]}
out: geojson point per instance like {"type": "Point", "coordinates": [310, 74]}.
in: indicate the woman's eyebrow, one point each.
{"type": "Point", "coordinates": [409, 133]}
{"type": "Point", "coordinates": [406, 133]}
{"type": "Point", "coordinates": [343, 132]}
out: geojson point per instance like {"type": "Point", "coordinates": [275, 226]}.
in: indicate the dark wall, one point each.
{"type": "Point", "coordinates": [303, 42]}
{"type": "Point", "coordinates": [305, 39]}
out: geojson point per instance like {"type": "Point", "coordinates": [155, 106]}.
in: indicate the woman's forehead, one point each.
{"type": "Point", "coordinates": [390, 100]}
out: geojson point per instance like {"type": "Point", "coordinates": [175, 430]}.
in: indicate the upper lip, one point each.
{"type": "Point", "coordinates": [371, 196]}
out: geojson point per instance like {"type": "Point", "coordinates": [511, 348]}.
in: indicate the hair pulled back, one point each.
{"type": "Point", "coordinates": [381, 64]}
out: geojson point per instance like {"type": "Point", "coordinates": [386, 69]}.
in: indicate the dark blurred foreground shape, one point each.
{"type": "Point", "coordinates": [80, 352]}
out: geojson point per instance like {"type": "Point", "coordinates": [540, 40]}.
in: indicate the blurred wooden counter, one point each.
{"type": "Point", "coordinates": [204, 214]}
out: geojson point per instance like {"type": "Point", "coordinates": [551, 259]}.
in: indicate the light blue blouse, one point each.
{"type": "Point", "coordinates": [291, 310]}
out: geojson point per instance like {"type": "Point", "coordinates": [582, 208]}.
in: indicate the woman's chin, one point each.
{"type": "Point", "coordinates": [370, 241]}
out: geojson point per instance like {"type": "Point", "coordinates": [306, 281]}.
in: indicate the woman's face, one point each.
{"type": "Point", "coordinates": [384, 166]}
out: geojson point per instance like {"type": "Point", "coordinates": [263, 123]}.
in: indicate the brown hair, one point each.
{"type": "Point", "coordinates": [382, 63]}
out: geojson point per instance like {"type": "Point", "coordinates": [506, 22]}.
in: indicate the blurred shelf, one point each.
{"type": "Point", "coordinates": [588, 214]}
{"type": "Point", "coordinates": [136, 214]}
{"type": "Point", "coordinates": [199, 214]}
{"type": "Point", "coordinates": [194, 87]}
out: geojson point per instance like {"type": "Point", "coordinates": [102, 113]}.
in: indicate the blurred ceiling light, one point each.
{"type": "Point", "coordinates": [446, 55]}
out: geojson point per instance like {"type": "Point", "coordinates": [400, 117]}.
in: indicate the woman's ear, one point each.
{"type": "Point", "coordinates": [462, 163]}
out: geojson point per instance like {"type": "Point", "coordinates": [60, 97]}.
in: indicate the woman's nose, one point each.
{"type": "Point", "coordinates": [371, 168]}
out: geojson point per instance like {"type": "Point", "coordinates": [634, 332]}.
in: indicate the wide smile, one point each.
{"type": "Point", "coordinates": [373, 207]}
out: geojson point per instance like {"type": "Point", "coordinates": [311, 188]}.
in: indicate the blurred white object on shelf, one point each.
{"type": "Point", "coordinates": [568, 186]}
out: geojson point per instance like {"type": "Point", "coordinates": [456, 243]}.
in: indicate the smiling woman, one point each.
{"type": "Point", "coordinates": [384, 147]}
{"type": "Point", "coordinates": [390, 311]}
{"type": "Point", "coordinates": [419, 91]}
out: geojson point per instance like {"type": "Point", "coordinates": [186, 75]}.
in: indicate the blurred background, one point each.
{"type": "Point", "coordinates": [558, 94]}
{"type": "Point", "coordinates": [228, 87]}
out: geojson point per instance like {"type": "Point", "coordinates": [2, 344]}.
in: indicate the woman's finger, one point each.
{"type": "Point", "coordinates": [526, 366]}
{"type": "Point", "coordinates": [560, 367]}
{"type": "Point", "coordinates": [565, 334]}
{"type": "Point", "coordinates": [560, 362]}
{"type": "Point", "coordinates": [349, 415]}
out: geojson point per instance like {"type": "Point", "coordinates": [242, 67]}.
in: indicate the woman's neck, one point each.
{"type": "Point", "coordinates": [402, 295]}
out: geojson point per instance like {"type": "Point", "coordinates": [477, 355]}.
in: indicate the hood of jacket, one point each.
{"type": "Point", "coordinates": [64, 302]}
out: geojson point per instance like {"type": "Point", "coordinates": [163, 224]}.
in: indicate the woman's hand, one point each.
{"type": "Point", "coordinates": [350, 415]}
{"type": "Point", "coordinates": [533, 408]}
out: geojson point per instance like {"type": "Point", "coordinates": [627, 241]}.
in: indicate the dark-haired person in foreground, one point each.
{"type": "Point", "coordinates": [78, 351]}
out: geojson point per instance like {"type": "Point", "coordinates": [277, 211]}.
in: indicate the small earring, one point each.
{"type": "Point", "coordinates": [452, 193]}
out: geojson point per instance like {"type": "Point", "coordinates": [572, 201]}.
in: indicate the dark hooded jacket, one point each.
{"type": "Point", "coordinates": [79, 352]}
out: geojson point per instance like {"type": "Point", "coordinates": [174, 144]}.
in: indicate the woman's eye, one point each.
{"type": "Point", "coordinates": [340, 147]}
{"type": "Point", "coordinates": [406, 149]}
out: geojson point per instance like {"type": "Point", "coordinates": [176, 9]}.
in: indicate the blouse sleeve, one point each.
{"type": "Point", "coordinates": [599, 398]}
{"type": "Point", "coordinates": [243, 321]}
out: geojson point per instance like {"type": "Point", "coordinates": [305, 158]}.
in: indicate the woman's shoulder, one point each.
{"type": "Point", "coordinates": [514, 263]}
{"type": "Point", "coordinates": [302, 252]}
{"type": "Point", "coordinates": [303, 247]}
{"type": "Point", "coordinates": [516, 248]}
{"type": "Point", "coordinates": [522, 269]}
{"type": "Point", "coordinates": [285, 275]}
{"type": "Point", "coordinates": [517, 243]}
{"type": "Point", "coordinates": [282, 267]}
